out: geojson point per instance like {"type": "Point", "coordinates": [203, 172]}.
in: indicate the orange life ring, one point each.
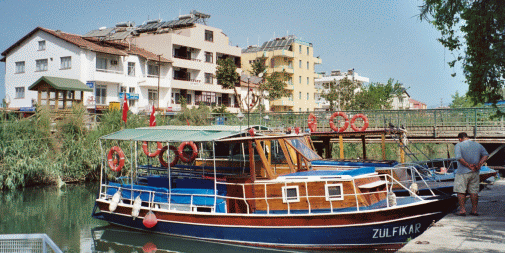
{"type": "Point", "coordinates": [365, 122]}
{"type": "Point", "coordinates": [157, 152]}
{"type": "Point", "coordinates": [114, 164]}
{"type": "Point", "coordinates": [312, 121]}
{"type": "Point", "coordinates": [183, 156]}
{"type": "Point", "coordinates": [346, 124]}
{"type": "Point", "coordinates": [162, 161]}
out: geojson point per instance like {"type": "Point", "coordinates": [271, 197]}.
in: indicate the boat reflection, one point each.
{"type": "Point", "coordinates": [117, 239]}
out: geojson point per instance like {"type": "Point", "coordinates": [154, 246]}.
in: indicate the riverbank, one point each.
{"type": "Point", "coordinates": [484, 233]}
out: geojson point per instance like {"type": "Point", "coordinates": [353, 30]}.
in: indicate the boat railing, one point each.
{"type": "Point", "coordinates": [213, 202]}
{"type": "Point", "coordinates": [408, 174]}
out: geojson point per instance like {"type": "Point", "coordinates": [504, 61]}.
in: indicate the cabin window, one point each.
{"type": "Point", "coordinates": [334, 192]}
{"type": "Point", "coordinates": [290, 194]}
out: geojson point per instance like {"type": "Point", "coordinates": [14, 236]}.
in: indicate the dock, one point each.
{"type": "Point", "coordinates": [483, 233]}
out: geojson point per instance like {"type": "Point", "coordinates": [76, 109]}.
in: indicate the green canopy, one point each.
{"type": "Point", "coordinates": [60, 83]}
{"type": "Point", "coordinates": [176, 133]}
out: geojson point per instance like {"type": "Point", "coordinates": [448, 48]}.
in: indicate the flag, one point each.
{"type": "Point", "coordinates": [152, 119]}
{"type": "Point", "coordinates": [125, 109]}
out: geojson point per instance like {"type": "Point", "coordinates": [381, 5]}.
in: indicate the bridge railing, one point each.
{"type": "Point", "coordinates": [430, 122]}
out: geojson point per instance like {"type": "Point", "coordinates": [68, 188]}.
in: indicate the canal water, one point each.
{"type": "Point", "coordinates": [65, 216]}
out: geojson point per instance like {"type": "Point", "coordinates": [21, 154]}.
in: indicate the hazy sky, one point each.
{"type": "Point", "coordinates": [379, 39]}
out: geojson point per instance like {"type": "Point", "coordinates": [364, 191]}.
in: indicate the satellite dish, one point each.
{"type": "Point", "coordinates": [260, 74]}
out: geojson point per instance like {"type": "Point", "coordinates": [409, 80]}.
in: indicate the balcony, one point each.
{"type": "Point", "coordinates": [283, 53]}
{"type": "Point", "coordinates": [280, 68]}
{"type": "Point", "coordinates": [283, 102]}
{"type": "Point", "coordinates": [186, 58]}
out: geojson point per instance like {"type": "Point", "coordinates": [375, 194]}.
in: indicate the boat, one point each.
{"type": "Point", "coordinates": [269, 196]}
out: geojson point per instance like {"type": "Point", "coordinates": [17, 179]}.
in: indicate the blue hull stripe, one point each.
{"type": "Point", "coordinates": [375, 234]}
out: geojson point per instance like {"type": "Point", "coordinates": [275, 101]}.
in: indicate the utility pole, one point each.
{"type": "Point", "coordinates": [159, 75]}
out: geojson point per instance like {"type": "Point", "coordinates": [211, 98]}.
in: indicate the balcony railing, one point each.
{"type": "Point", "coordinates": [113, 71]}
{"type": "Point", "coordinates": [186, 58]}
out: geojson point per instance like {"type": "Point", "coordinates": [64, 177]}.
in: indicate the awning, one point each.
{"type": "Point", "coordinates": [176, 133]}
{"type": "Point", "coordinates": [60, 83]}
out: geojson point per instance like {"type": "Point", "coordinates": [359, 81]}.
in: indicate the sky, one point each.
{"type": "Point", "coordinates": [379, 39]}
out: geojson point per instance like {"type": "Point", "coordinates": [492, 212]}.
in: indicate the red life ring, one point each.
{"type": "Point", "coordinates": [312, 121]}
{"type": "Point", "coordinates": [162, 160]}
{"type": "Point", "coordinates": [157, 152]}
{"type": "Point", "coordinates": [185, 157]}
{"type": "Point", "coordinates": [365, 122]}
{"type": "Point", "coordinates": [346, 124]}
{"type": "Point", "coordinates": [114, 164]}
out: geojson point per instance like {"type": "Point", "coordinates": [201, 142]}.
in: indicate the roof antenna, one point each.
{"type": "Point", "coordinates": [247, 42]}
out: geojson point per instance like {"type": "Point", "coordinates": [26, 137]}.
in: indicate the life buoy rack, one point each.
{"type": "Point", "coordinates": [185, 157]}
{"type": "Point", "coordinates": [365, 122]}
{"type": "Point", "coordinates": [312, 121]}
{"type": "Point", "coordinates": [332, 124]}
{"type": "Point", "coordinates": [114, 164]}
{"type": "Point", "coordinates": [162, 160]}
{"type": "Point", "coordinates": [155, 153]}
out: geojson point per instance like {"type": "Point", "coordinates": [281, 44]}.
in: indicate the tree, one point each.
{"type": "Point", "coordinates": [482, 25]}
{"type": "Point", "coordinates": [226, 73]}
{"type": "Point", "coordinates": [259, 66]}
{"type": "Point", "coordinates": [377, 96]}
{"type": "Point", "coordinates": [341, 93]}
{"type": "Point", "coordinates": [461, 101]}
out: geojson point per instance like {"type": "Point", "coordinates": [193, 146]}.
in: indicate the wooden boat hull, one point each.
{"type": "Point", "coordinates": [384, 228]}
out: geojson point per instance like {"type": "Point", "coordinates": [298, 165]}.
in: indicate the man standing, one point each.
{"type": "Point", "coordinates": [470, 156]}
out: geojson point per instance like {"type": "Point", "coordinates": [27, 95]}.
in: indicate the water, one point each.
{"type": "Point", "coordinates": [65, 216]}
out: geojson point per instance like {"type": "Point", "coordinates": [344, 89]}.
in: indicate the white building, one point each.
{"type": "Point", "coordinates": [176, 58]}
{"type": "Point", "coordinates": [109, 67]}
{"type": "Point", "coordinates": [194, 49]}
{"type": "Point", "coordinates": [335, 76]}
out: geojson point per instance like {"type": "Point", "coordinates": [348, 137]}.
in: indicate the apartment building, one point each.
{"type": "Point", "coordinates": [194, 49]}
{"type": "Point", "coordinates": [335, 76]}
{"type": "Point", "coordinates": [296, 58]}
{"type": "Point", "coordinates": [60, 67]}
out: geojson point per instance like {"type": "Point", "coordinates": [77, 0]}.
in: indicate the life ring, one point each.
{"type": "Point", "coordinates": [162, 160]}
{"type": "Point", "coordinates": [365, 122]}
{"type": "Point", "coordinates": [312, 121]}
{"type": "Point", "coordinates": [332, 124]}
{"type": "Point", "coordinates": [157, 152]}
{"type": "Point", "coordinates": [114, 164]}
{"type": "Point", "coordinates": [183, 156]}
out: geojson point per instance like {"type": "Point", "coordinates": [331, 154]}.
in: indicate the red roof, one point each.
{"type": "Point", "coordinates": [107, 47]}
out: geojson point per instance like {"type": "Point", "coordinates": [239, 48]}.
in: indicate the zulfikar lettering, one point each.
{"type": "Point", "coordinates": [396, 231]}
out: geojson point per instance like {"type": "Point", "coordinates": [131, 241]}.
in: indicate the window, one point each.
{"type": "Point", "coordinates": [290, 64]}
{"type": "Point", "coordinates": [131, 102]}
{"type": "Point", "coordinates": [290, 194]}
{"type": "Point", "coordinates": [101, 94]}
{"type": "Point", "coordinates": [152, 96]}
{"type": "Point", "coordinates": [308, 50]}
{"type": "Point", "coordinates": [131, 68]}
{"type": "Point", "coordinates": [307, 65]}
{"type": "Point", "coordinates": [300, 79]}
{"type": "Point", "coordinates": [41, 65]}
{"type": "Point", "coordinates": [300, 64]}
{"type": "Point", "coordinates": [300, 95]}
{"type": "Point", "coordinates": [300, 48]}
{"type": "Point", "coordinates": [42, 45]}
{"type": "Point", "coordinates": [208, 78]}
{"type": "Point", "coordinates": [290, 97]}
{"type": "Point", "coordinates": [101, 63]}
{"type": "Point", "coordinates": [209, 35]}
{"type": "Point", "coordinates": [307, 81]}
{"type": "Point", "coordinates": [20, 67]}
{"type": "Point", "coordinates": [307, 96]}
{"type": "Point", "coordinates": [66, 62]}
{"type": "Point", "coordinates": [334, 192]}
{"type": "Point", "coordinates": [188, 99]}
{"type": "Point", "coordinates": [209, 57]}
{"type": "Point", "coordinates": [272, 63]}
{"type": "Point", "coordinates": [20, 92]}
{"type": "Point", "coordinates": [153, 70]}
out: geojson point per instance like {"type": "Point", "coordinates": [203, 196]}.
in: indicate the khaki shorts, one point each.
{"type": "Point", "coordinates": [468, 181]}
